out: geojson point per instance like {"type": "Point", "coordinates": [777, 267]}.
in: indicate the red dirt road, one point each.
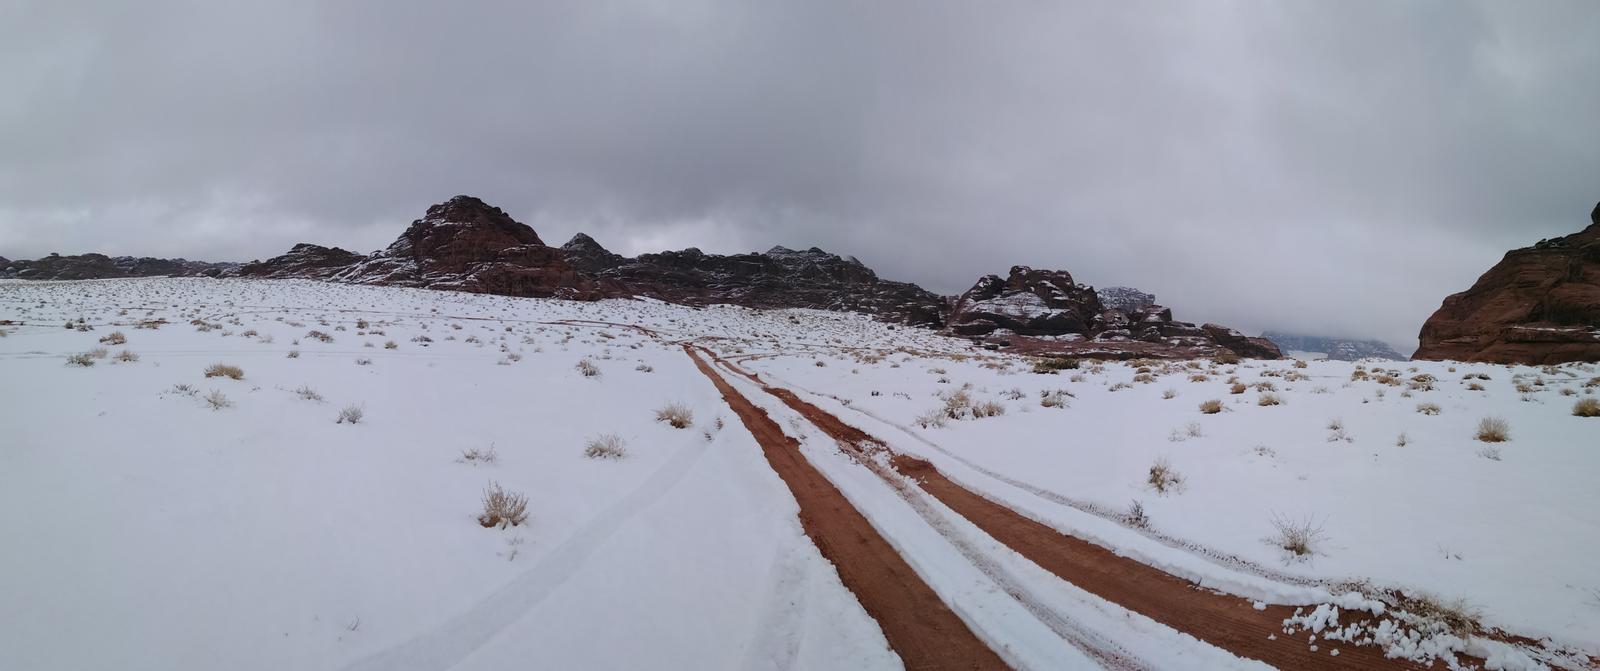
{"type": "Point", "coordinates": [918, 625]}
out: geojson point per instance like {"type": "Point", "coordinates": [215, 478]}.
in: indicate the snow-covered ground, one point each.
{"type": "Point", "coordinates": [1513, 527]}
{"type": "Point", "coordinates": [146, 529]}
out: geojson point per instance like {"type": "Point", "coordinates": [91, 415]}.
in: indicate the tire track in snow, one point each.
{"type": "Point", "coordinates": [780, 628]}
{"type": "Point", "coordinates": [447, 644]}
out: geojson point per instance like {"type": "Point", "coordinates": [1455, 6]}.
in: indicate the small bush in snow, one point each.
{"type": "Point", "coordinates": [1211, 407]}
{"type": "Point", "coordinates": [1052, 365]}
{"type": "Point", "coordinates": [1299, 538]}
{"type": "Point", "coordinates": [644, 368]}
{"type": "Point", "coordinates": [1135, 516]}
{"type": "Point", "coordinates": [1428, 408]}
{"type": "Point", "coordinates": [126, 356]}
{"type": "Point", "coordinates": [1430, 614]}
{"type": "Point", "coordinates": [502, 508]}
{"type": "Point", "coordinates": [987, 409]}
{"type": "Point", "coordinates": [1401, 441]}
{"type": "Point", "coordinates": [84, 360]}
{"type": "Point", "coordinates": [605, 446]}
{"type": "Point", "coordinates": [318, 335]}
{"type": "Point", "coordinates": [307, 393]}
{"type": "Point", "coordinates": [1269, 398]}
{"type": "Point", "coordinates": [1162, 478]}
{"type": "Point", "coordinates": [217, 401]}
{"type": "Point", "coordinates": [1053, 399]}
{"type": "Point", "coordinates": [99, 352]}
{"type": "Point", "coordinates": [294, 354]}
{"type": "Point", "coordinates": [1169, 394]}
{"type": "Point", "coordinates": [225, 370]}
{"type": "Point", "coordinates": [115, 338]}
{"type": "Point", "coordinates": [363, 361]}
{"type": "Point", "coordinates": [932, 419]}
{"type": "Point", "coordinates": [477, 456]}
{"type": "Point", "coordinates": [587, 368]}
{"type": "Point", "coordinates": [676, 415]}
{"type": "Point", "coordinates": [351, 414]}
{"type": "Point", "coordinates": [1493, 430]}
{"type": "Point", "coordinates": [1587, 407]}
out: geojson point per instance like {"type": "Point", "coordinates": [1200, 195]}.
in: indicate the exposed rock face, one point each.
{"type": "Point", "coordinates": [304, 261]}
{"type": "Point", "coordinates": [1028, 302]}
{"type": "Point", "coordinates": [99, 266]}
{"type": "Point", "coordinates": [1337, 349]}
{"type": "Point", "coordinates": [464, 244]}
{"type": "Point", "coordinates": [1126, 299]}
{"type": "Point", "coordinates": [779, 278]}
{"type": "Point", "coordinates": [589, 256]}
{"type": "Point", "coordinates": [1538, 305]}
{"type": "Point", "coordinates": [1046, 312]}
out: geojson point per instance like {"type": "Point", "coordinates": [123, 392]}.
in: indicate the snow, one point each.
{"type": "Point", "coordinates": [1514, 537]}
{"type": "Point", "coordinates": [148, 531]}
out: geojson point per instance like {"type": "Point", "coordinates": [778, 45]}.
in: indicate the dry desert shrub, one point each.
{"type": "Point", "coordinates": [1163, 478]}
{"type": "Point", "coordinates": [318, 335]}
{"type": "Point", "coordinates": [1169, 394]}
{"type": "Point", "coordinates": [1237, 388]}
{"type": "Point", "coordinates": [83, 360]}
{"type": "Point", "coordinates": [987, 409]}
{"type": "Point", "coordinates": [502, 508]}
{"type": "Point", "coordinates": [605, 446]}
{"type": "Point", "coordinates": [1299, 538]}
{"type": "Point", "coordinates": [676, 415]}
{"type": "Point", "coordinates": [587, 368]}
{"type": "Point", "coordinates": [1493, 430]}
{"type": "Point", "coordinates": [1269, 398]}
{"type": "Point", "coordinates": [1587, 407]}
{"type": "Point", "coordinates": [115, 338]}
{"type": "Point", "coordinates": [351, 414]}
{"type": "Point", "coordinates": [217, 401]}
{"type": "Point", "coordinates": [1211, 407]}
{"type": "Point", "coordinates": [225, 370]}
{"type": "Point", "coordinates": [1428, 408]}
{"type": "Point", "coordinates": [127, 356]}
{"type": "Point", "coordinates": [477, 456]}
{"type": "Point", "coordinates": [307, 393]}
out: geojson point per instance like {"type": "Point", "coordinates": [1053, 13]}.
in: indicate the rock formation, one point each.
{"type": "Point", "coordinates": [303, 261]}
{"type": "Point", "coordinates": [1126, 299]}
{"type": "Point", "coordinates": [1046, 312]}
{"type": "Point", "coordinates": [99, 266]}
{"type": "Point", "coordinates": [1538, 305]}
{"type": "Point", "coordinates": [464, 244]}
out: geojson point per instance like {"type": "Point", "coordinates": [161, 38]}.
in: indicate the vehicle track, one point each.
{"type": "Point", "coordinates": [918, 625]}
{"type": "Point", "coordinates": [1223, 620]}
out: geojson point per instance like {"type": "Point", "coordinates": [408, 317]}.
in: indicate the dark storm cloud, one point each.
{"type": "Point", "coordinates": [1334, 167]}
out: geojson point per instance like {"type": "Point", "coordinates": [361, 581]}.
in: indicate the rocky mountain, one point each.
{"type": "Point", "coordinates": [1337, 349]}
{"type": "Point", "coordinates": [1046, 312]}
{"type": "Point", "coordinates": [1126, 299]}
{"type": "Point", "coordinates": [1538, 305]}
{"type": "Point", "coordinates": [303, 260]}
{"type": "Point", "coordinates": [99, 266]}
{"type": "Point", "coordinates": [464, 244]}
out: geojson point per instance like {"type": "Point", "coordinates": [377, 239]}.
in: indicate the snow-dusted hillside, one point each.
{"type": "Point", "coordinates": [157, 518]}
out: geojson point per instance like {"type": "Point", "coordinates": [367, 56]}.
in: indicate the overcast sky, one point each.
{"type": "Point", "coordinates": [1332, 167]}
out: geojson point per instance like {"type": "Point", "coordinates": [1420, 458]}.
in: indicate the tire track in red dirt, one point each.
{"type": "Point", "coordinates": [919, 626]}
{"type": "Point", "coordinates": [1226, 621]}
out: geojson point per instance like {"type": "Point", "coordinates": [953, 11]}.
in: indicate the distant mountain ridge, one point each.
{"type": "Point", "coordinates": [1337, 349]}
{"type": "Point", "coordinates": [94, 266]}
{"type": "Point", "coordinates": [465, 244]}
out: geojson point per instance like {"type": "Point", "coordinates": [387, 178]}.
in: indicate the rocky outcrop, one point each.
{"type": "Point", "coordinates": [99, 266]}
{"type": "Point", "coordinates": [1126, 299]}
{"type": "Point", "coordinates": [589, 256]}
{"type": "Point", "coordinates": [1538, 305]}
{"type": "Point", "coordinates": [1027, 302]}
{"type": "Point", "coordinates": [464, 244]}
{"type": "Point", "coordinates": [1046, 312]}
{"type": "Point", "coordinates": [1336, 349]}
{"type": "Point", "coordinates": [304, 261]}
{"type": "Point", "coordinates": [778, 278]}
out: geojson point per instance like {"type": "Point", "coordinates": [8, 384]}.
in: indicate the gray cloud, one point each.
{"type": "Point", "coordinates": [1326, 167]}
